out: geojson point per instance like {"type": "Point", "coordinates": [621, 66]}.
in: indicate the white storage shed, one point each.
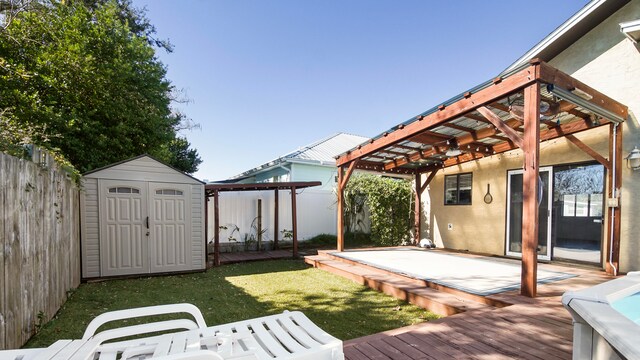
{"type": "Point", "coordinates": [140, 216]}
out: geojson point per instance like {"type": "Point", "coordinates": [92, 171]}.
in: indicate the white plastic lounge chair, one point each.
{"type": "Point", "coordinates": [290, 335]}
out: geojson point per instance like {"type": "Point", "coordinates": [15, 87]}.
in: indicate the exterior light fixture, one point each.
{"type": "Point", "coordinates": [631, 29]}
{"type": "Point", "coordinates": [453, 152]}
{"type": "Point", "coordinates": [578, 97]}
{"type": "Point", "coordinates": [633, 159]}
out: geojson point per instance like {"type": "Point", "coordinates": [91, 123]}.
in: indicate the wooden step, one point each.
{"type": "Point", "coordinates": [441, 303]}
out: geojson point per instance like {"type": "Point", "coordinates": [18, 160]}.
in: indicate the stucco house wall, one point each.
{"type": "Point", "coordinates": [603, 59]}
{"type": "Point", "coordinates": [606, 60]}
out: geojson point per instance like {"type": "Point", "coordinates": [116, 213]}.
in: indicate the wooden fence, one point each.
{"type": "Point", "coordinates": [39, 246]}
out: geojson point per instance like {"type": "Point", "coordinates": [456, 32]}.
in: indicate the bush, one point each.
{"type": "Point", "coordinates": [389, 203]}
{"type": "Point", "coordinates": [328, 241]}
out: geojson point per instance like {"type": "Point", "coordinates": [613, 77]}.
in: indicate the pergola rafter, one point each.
{"type": "Point", "coordinates": [501, 115]}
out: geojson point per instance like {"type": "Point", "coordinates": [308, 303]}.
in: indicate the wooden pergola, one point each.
{"type": "Point", "coordinates": [533, 103]}
{"type": "Point", "coordinates": [214, 190]}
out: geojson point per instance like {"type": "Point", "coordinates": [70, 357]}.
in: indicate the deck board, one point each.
{"type": "Point", "coordinates": [535, 329]}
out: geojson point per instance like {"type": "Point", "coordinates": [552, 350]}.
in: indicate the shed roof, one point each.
{"type": "Point", "coordinates": [130, 165]}
{"type": "Point", "coordinates": [321, 152]}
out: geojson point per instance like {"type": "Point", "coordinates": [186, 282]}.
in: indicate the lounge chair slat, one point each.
{"type": "Point", "coordinates": [134, 351]}
{"type": "Point", "coordinates": [178, 343]}
{"type": "Point", "coordinates": [66, 352]}
{"type": "Point", "coordinates": [164, 344]}
{"type": "Point", "coordinates": [193, 341]}
{"type": "Point", "coordinates": [267, 339]}
{"type": "Point", "coordinates": [298, 332]}
{"type": "Point", "coordinates": [51, 351]}
{"type": "Point", "coordinates": [283, 336]}
{"type": "Point", "coordinates": [108, 355]}
{"type": "Point", "coordinates": [25, 354]}
{"type": "Point", "coordinates": [312, 329]}
{"type": "Point", "coordinates": [242, 335]}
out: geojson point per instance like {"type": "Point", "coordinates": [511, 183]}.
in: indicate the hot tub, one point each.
{"type": "Point", "coordinates": [606, 319]}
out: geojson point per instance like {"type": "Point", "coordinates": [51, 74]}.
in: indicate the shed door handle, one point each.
{"type": "Point", "coordinates": [147, 222]}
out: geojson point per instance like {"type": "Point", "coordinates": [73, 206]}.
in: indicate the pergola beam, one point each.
{"type": "Point", "coordinates": [551, 75]}
{"type": "Point", "coordinates": [549, 134]}
{"type": "Point", "coordinates": [589, 151]}
{"type": "Point", "coordinates": [501, 125]}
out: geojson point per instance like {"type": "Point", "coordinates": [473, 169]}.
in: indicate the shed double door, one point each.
{"type": "Point", "coordinates": [144, 227]}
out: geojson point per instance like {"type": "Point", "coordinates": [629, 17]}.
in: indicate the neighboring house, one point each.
{"type": "Point", "coordinates": [591, 48]}
{"type": "Point", "coordinates": [315, 162]}
{"type": "Point", "coordinates": [598, 48]}
{"type": "Point", "coordinates": [316, 207]}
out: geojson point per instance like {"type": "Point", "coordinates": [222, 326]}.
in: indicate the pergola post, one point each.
{"type": "Point", "coordinates": [206, 229]}
{"type": "Point", "coordinates": [275, 220]}
{"type": "Point", "coordinates": [294, 222]}
{"type": "Point", "coordinates": [612, 250]}
{"type": "Point", "coordinates": [343, 179]}
{"type": "Point", "coordinates": [216, 225]}
{"type": "Point", "coordinates": [418, 209]}
{"type": "Point", "coordinates": [420, 188]}
{"type": "Point", "coordinates": [340, 230]}
{"type": "Point", "coordinates": [531, 149]}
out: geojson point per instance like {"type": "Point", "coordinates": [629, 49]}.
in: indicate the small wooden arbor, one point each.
{"type": "Point", "coordinates": [214, 190]}
{"type": "Point", "coordinates": [533, 103]}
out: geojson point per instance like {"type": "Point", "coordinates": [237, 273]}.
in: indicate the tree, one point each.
{"type": "Point", "coordinates": [92, 87]}
{"type": "Point", "coordinates": [182, 156]}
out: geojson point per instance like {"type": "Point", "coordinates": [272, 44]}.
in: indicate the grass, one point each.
{"type": "Point", "coordinates": [241, 291]}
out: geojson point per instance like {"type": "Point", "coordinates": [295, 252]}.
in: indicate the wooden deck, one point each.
{"type": "Point", "coordinates": [245, 256]}
{"type": "Point", "coordinates": [501, 326]}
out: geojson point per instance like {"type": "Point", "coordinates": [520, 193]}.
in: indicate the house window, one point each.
{"type": "Point", "coordinates": [457, 189]}
{"type": "Point", "coordinates": [123, 190]}
{"type": "Point", "coordinates": [168, 192]}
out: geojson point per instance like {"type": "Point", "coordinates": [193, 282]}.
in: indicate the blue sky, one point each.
{"type": "Point", "coordinates": [267, 77]}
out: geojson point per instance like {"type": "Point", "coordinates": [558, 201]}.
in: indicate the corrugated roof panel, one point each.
{"type": "Point", "coordinates": [327, 149]}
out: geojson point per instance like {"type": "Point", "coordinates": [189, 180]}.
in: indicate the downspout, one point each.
{"type": "Point", "coordinates": [615, 195]}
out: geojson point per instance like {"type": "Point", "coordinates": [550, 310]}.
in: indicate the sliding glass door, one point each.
{"type": "Point", "coordinates": [578, 207]}
{"type": "Point", "coordinates": [514, 213]}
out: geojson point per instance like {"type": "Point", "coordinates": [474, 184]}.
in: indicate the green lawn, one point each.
{"type": "Point", "coordinates": [242, 291]}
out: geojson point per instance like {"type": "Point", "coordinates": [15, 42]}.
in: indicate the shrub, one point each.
{"type": "Point", "coordinates": [389, 203]}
